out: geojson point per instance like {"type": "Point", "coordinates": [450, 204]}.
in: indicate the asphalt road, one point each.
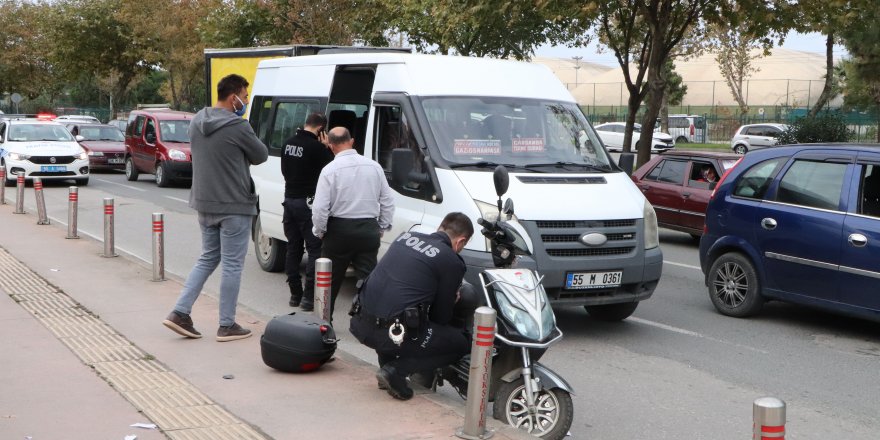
{"type": "Point", "coordinates": [676, 369]}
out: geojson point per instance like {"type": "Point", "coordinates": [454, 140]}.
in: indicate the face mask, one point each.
{"type": "Point", "coordinates": [243, 107]}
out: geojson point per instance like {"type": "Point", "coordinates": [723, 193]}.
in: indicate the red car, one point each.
{"type": "Point", "coordinates": [678, 184]}
{"type": "Point", "coordinates": [104, 143]}
{"type": "Point", "coordinates": [157, 142]}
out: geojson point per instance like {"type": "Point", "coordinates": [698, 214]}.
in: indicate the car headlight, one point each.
{"type": "Point", "coordinates": [83, 156]}
{"type": "Point", "coordinates": [177, 154]}
{"type": "Point", "coordinates": [489, 212]}
{"type": "Point", "coordinates": [18, 156]}
{"type": "Point", "coordinates": [652, 235]}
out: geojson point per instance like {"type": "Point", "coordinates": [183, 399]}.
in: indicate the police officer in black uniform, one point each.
{"type": "Point", "coordinates": [304, 156]}
{"type": "Point", "coordinates": [404, 308]}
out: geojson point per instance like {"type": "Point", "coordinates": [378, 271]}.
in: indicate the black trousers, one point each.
{"type": "Point", "coordinates": [352, 242]}
{"type": "Point", "coordinates": [298, 230]}
{"type": "Point", "coordinates": [438, 346]}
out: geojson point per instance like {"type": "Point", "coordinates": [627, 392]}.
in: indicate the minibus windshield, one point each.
{"type": "Point", "coordinates": [542, 136]}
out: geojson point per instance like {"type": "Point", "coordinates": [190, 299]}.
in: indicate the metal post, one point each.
{"type": "Point", "coordinates": [768, 419]}
{"type": "Point", "coordinates": [323, 281]}
{"type": "Point", "coordinates": [19, 194]}
{"type": "Point", "coordinates": [42, 218]}
{"type": "Point", "coordinates": [109, 248]}
{"type": "Point", "coordinates": [2, 185]}
{"type": "Point", "coordinates": [72, 211]}
{"type": "Point", "coordinates": [478, 376]}
{"type": "Point", "coordinates": [158, 246]}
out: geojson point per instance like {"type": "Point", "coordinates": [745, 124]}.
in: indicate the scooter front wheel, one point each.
{"type": "Point", "coordinates": [554, 410]}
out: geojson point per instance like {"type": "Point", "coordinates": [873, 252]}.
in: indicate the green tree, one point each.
{"type": "Point", "coordinates": [496, 28]}
{"type": "Point", "coordinates": [735, 52]}
{"type": "Point", "coordinates": [674, 94]}
{"type": "Point", "coordinates": [26, 64]}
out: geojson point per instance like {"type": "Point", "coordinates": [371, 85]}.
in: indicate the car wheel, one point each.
{"type": "Point", "coordinates": [131, 172]}
{"type": "Point", "coordinates": [82, 182]}
{"type": "Point", "coordinates": [162, 179]}
{"type": "Point", "coordinates": [270, 252]}
{"type": "Point", "coordinates": [740, 149]}
{"type": "Point", "coordinates": [681, 140]}
{"type": "Point", "coordinates": [612, 312]}
{"type": "Point", "coordinates": [734, 287]}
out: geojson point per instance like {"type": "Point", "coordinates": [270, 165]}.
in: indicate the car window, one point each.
{"type": "Point", "coordinates": [813, 184]}
{"type": "Point", "coordinates": [138, 126]}
{"type": "Point", "coordinates": [655, 172]}
{"type": "Point", "coordinates": [773, 132]}
{"type": "Point", "coordinates": [870, 191]}
{"type": "Point", "coordinates": [673, 172]}
{"type": "Point", "coordinates": [754, 182]}
{"type": "Point", "coordinates": [150, 128]}
{"type": "Point", "coordinates": [755, 131]}
{"type": "Point", "coordinates": [39, 132]}
{"type": "Point", "coordinates": [288, 117]}
{"type": "Point", "coordinates": [702, 175]}
{"type": "Point", "coordinates": [174, 131]}
{"type": "Point", "coordinates": [2, 131]}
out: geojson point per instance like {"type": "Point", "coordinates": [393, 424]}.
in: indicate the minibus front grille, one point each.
{"type": "Point", "coordinates": [562, 238]}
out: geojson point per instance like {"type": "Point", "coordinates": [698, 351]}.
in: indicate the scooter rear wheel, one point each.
{"type": "Point", "coordinates": [554, 416]}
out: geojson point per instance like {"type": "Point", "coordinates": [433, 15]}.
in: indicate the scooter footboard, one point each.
{"type": "Point", "coordinates": [548, 378]}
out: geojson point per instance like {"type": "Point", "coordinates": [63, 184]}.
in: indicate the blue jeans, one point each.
{"type": "Point", "coordinates": [224, 239]}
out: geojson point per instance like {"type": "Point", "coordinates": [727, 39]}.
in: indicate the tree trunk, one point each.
{"type": "Point", "coordinates": [829, 76]}
{"type": "Point", "coordinates": [664, 114]}
{"type": "Point", "coordinates": [632, 106]}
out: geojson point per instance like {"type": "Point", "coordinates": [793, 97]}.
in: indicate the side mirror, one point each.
{"type": "Point", "coordinates": [150, 138]}
{"type": "Point", "coordinates": [501, 180]}
{"type": "Point", "coordinates": [79, 138]}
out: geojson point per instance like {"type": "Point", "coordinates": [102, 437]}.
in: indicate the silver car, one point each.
{"type": "Point", "coordinates": [756, 136]}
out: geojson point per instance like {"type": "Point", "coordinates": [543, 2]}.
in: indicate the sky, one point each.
{"type": "Point", "coordinates": [812, 42]}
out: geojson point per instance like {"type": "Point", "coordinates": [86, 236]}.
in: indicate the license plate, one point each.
{"type": "Point", "coordinates": [592, 280]}
{"type": "Point", "coordinates": [114, 161]}
{"type": "Point", "coordinates": [52, 169]}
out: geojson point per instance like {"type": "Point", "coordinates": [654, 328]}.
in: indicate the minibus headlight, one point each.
{"type": "Point", "coordinates": [652, 235]}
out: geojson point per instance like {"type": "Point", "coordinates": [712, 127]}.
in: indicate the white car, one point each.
{"type": "Point", "coordinates": [78, 119]}
{"type": "Point", "coordinates": [756, 136]}
{"type": "Point", "coordinates": [611, 134]}
{"type": "Point", "coordinates": [43, 149]}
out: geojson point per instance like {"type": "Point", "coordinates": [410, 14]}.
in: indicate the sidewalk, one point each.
{"type": "Point", "coordinates": [85, 355]}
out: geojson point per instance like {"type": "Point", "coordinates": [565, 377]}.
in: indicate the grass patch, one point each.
{"type": "Point", "coordinates": [710, 147]}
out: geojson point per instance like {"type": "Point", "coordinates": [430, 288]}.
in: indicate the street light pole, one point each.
{"type": "Point", "coordinates": [577, 66]}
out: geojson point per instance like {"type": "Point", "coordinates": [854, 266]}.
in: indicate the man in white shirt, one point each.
{"type": "Point", "coordinates": [353, 207]}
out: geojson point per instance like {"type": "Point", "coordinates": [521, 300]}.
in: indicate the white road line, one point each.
{"type": "Point", "coordinates": [691, 333]}
{"type": "Point", "coordinates": [125, 186]}
{"type": "Point", "coordinates": [177, 199]}
{"type": "Point", "coordinates": [682, 265]}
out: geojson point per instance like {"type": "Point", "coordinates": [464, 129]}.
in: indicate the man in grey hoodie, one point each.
{"type": "Point", "coordinates": [224, 147]}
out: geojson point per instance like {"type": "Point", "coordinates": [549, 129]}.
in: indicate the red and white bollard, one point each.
{"type": "Point", "coordinates": [19, 194]}
{"type": "Point", "coordinates": [109, 246]}
{"type": "Point", "coordinates": [72, 211]}
{"type": "Point", "coordinates": [158, 247]}
{"type": "Point", "coordinates": [769, 419]}
{"type": "Point", "coordinates": [323, 281]}
{"type": "Point", "coordinates": [2, 185]}
{"type": "Point", "coordinates": [42, 217]}
{"type": "Point", "coordinates": [478, 376]}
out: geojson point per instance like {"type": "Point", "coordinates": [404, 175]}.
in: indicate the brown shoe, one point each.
{"type": "Point", "coordinates": [182, 325]}
{"type": "Point", "coordinates": [232, 333]}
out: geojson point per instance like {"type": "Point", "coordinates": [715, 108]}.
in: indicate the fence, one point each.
{"type": "Point", "coordinates": [722, 121]}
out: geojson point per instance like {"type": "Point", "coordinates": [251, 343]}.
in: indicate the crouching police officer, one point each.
{"type": "Point", "coordinates": [404, 308]}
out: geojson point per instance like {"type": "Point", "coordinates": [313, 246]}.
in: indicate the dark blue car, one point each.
{"type": "Point", "coordinates": [799, 224]}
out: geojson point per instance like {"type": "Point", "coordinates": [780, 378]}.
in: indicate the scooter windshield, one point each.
{"type": "Point", "coordinates": [543, 136]}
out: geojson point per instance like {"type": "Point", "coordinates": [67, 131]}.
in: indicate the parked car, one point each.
{"type": "Point", "coordinates": [104, 143]}
{"type": "Point", "coordinates": [799, 224]}
{"type": "Point", "coordinates": [119, 123]}
{"type": "Point", "coordinates": [157, 142]}
{"type": "Point", "coordinates": [77, 118]}
{"type": "Point", "coordinates": [678, 184]}
{"type": "Point", "coordinates": [755, 136]}
{"type": "Point", "coordinates": [41, 148]}
{"type": "Point", "coordinates": [687, 128]}
{"type": "Point", "coordinates": [612, 133]}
